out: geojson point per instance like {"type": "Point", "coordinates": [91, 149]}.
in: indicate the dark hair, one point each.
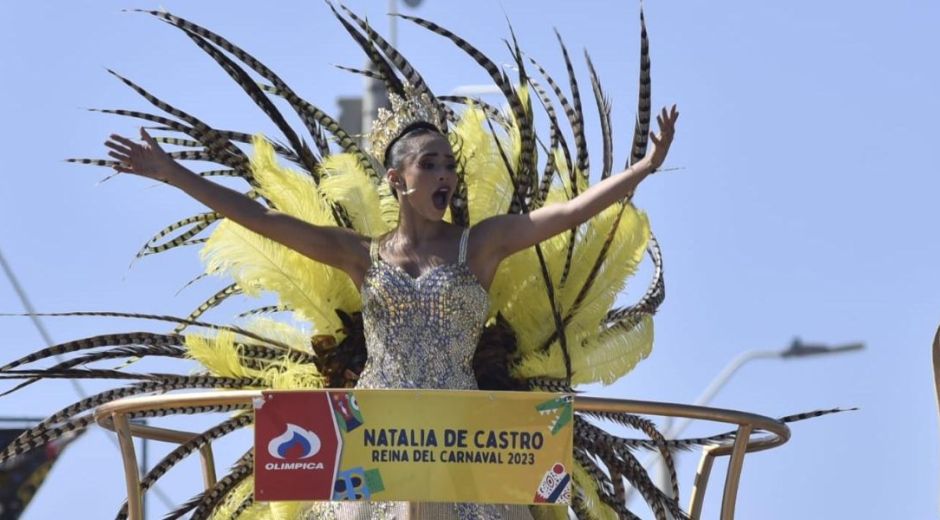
{"type": "Point", "coordinates": [401, 146]}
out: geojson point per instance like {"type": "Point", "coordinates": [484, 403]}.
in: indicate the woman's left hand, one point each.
{"type": "Point", "coordinates": [661, 142]}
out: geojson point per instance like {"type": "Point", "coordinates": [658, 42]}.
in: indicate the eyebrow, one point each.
{"type": "Point", "coordinates": [434, 154]}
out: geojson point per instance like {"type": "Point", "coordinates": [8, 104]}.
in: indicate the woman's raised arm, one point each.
{"type": "Point", "coordinates": [334, 246]}
{"type": "Point", "coordinates": [504, 235]}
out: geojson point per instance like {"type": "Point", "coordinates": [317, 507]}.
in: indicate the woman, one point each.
{"type": "Point", "coordinates": [421, 168]}
{"type": "Point", "coordinates": [423, 285]}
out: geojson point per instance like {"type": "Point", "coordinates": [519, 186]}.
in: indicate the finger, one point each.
{"type": "Point", "coordinates": [120, 157]}
{"type": "Point", "coordinates": [117, 147]}
{"type": "Point", "coordinates": [146, 137]}
{"type": "Point", "coordinates": [123, 140]}
{"type": "Point", "coordinates": [660, 122]}
{"type": "Point", "coordinates": [656, 140]}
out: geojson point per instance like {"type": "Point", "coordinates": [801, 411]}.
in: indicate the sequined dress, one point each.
{"type": "Point", "coordinates": [421, 333]}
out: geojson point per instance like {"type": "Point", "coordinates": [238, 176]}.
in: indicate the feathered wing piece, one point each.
{"type": "Point", "coordinates": [570, 281]}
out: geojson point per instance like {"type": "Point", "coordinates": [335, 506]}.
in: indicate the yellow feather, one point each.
{"type": "Point", "coordinates": [489, 188]}
{"type": "Point", "coordinates": [291, 191]}
{"type": "Point", "coordinates": [605, 359]}
{"type": "Point", "coordinates": [287, 374]}
{"type": "Point", "coordinates": [518, 291]}
{"type": "Point", "coordinates": [312, 289]}
{"type": "Point", "coordinates": [218, 354]}
{"type": "Point", "coordinates": [221, 356]}
{"type": "Point", "coordinates": [345, 182]}
{"type": "Point", "coordinates": [294, 336]}
{"type": "Point", "coordinates": [621, 261]}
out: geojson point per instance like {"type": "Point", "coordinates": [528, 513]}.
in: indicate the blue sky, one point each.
{"type": "Point", "coordinates": [806, 206]}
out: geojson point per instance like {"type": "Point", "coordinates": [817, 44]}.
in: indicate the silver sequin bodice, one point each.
{"type": "Point", "coordinates": [421, 332]}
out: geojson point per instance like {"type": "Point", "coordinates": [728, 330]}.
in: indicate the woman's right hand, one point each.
{"type": "Point", "coordinates": [147, 160]}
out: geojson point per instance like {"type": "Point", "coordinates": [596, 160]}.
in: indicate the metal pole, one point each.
{"type": "Point", "coordinates": [672, 429]}
{"type": "Point", "coordinates": [144, 443]}
{"type": "Point", "coordinates": [393, 22]}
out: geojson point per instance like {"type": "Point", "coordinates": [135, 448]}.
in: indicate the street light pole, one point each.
{"type": "Point", "coordinates": [797, 349]}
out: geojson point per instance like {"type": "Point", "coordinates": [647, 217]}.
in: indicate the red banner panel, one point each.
{"type": "Point", "coordinates": [297, 446]}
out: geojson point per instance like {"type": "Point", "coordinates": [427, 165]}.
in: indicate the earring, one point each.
{"type": "Point", "coordinates": [405, 191]}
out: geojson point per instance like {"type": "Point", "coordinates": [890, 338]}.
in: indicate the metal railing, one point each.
{"type": "Point", "coordinates": [754, 433]}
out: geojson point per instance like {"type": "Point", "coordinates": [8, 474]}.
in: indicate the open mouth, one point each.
{"type": "Point", "coordinates": [440, 197]}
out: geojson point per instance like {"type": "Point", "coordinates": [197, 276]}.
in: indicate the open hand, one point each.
{"type": "Point", "coordinates": [147, 160]}
{"type": "Point", "coordinates": [661, 142]}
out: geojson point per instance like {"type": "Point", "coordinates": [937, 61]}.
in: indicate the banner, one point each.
{"type": "Point", "coordinates": [414, 445]}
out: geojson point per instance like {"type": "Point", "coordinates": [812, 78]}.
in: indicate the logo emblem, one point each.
{"type": "Point", "coordinates": [295, 443]}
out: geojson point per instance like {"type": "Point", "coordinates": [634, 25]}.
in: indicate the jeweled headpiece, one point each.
{"type": "Point", "coordinates": [406, 113]}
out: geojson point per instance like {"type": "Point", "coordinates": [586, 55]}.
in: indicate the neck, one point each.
{"type": "Point", "coordinates": [415, 229]}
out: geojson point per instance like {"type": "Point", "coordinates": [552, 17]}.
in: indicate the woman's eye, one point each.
{"type": "Point", "coordinates": [426, 165]}
{"type": "Point", "coordinates": [452, 167]}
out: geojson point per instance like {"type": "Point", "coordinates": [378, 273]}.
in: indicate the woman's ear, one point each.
{"type": "Point", "coordinates": [394, 179]}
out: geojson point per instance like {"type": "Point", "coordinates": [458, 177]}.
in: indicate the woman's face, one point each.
{"type": "Point", "coordinates": [428, 176]}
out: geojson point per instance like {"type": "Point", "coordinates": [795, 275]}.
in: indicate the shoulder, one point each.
{"type": "Point", "coordinates": [487, 236]}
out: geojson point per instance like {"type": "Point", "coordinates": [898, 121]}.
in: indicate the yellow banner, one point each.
{"type": "Point", "coordinates": [460, 446]}
{"type": "Point", "coordinates": [418, 446]}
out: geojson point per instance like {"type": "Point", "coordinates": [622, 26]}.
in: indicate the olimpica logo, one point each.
{"type": "Point", "coordinates": [295, 443]}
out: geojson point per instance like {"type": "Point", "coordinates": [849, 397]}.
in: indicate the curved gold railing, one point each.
{"type": "Point", "coordinates": [936, 363]}
{"type": "Point", "coordinates": [115, 416]}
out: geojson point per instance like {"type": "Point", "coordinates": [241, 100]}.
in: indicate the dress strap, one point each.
{"type": "Point", "coordinates": [462, 256]}
{"type": "Point", "coordinates": [374, 250]}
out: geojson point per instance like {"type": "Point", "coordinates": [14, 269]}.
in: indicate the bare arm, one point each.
{"type": "Point", "coordinates": [501, 236]}
{"type": "Point", "coordinates": [334, 246]}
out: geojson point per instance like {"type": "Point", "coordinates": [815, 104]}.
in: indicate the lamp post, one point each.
{"type": "Point", "coordinates": [797, 349]}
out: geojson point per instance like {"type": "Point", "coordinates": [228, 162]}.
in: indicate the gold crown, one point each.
{"type": "Point", "coordinates": [405, 112]}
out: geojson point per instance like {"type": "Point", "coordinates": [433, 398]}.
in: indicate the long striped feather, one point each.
{"type": "Point", "coordinates": [411, 76]}
{"type": "Point", "coordinates": [653, 297]}
{"type": "Point", "coordinates": [104, 340]}
{"type": "Point", "coordinates": [576, 181]}
{"type": "Point", "coordinates": [51, 429]}
{"type": "Point", "coordinates": [300, 148]}
{"type": "Point", "coordinates": [558, 142]}
{"type": "Point", "coordinates": [593, 498]}
{"type": "Point", "coordinates": [208, 500]}
{"type": "Point", "coordinates": [490, 111]}
{"type": "Point", "coordinates": [383, 67]}
{"type": "Point", "coordinates": [133, 352]}
{"type": "Point", "coordinates": [175, 141]}
{"type": "Point", "coordinates": [196, 223]}
{"type": "Point", "coordinates": [310, 112]}
{"type": "Point", "coordinates": [158, 317]}
{"type": "Point", "coordinates": [625, 463]}
{"type": "Point", "coordinates": [211, 302]}
{"type": "Point", "coordinates": [577, 122]}
{"type": "Point", "coordinates": [184, 450]}
{"type": "Point", "coordinates": [528, 156]}
{"type": "Point", "coordinates": [234, 158]}
{"type": "Point", "coordinates": [644, 98]}
{"type": "Point", "coordinates": [603, 110]}
{"type": "Point", "coordinates": [215, 144]}
{"type": "Point", "coordinates": [646, 426]}
{"type": "Point", "coordinates": [244, 57]}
